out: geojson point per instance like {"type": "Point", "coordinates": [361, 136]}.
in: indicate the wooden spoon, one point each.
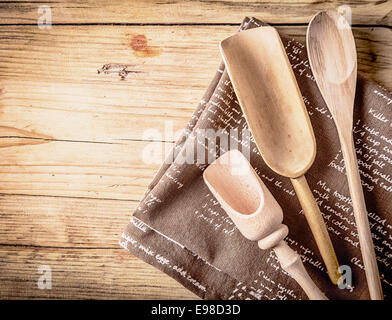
{"type": "Point", "coordinates": [269, 96]}
{"type": "Point", "coordinates": [333, 59]}
{"type": "Point", "coordinates": [254, 210]}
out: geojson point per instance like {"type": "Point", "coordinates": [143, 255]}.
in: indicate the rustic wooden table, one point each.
{"type": "Point", "coordinates": [71, 167]}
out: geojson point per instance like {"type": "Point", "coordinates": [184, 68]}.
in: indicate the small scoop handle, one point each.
{"type": "Point", "coordinates": [292, 264]}
{"type": "Point", "coordinates": [317, 226]}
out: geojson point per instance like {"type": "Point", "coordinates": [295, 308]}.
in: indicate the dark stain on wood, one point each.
{"type": "Point", "coordinates": [140, 47]}
{"type": "Point", "coordinates": [123, 70]}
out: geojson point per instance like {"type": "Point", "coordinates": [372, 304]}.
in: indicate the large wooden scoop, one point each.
{"type": "Point", "coordinates": [269, 96]}
{"type": "Point", "coordinates": [333, 58]}
{"type": "Point", "coordinates": [254, 210]}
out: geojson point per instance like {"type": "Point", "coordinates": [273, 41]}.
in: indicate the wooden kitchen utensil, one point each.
{"type": "Point", "coordinates": [269, 96]}
{"type": "Point", "coordinates": [333, 59]}
{"type": "Point", "coordinates": [254, 210]}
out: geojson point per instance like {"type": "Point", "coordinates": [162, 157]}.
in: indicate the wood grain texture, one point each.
{"type": "Point", "coordinates": [83, 274]}
{"type": "Point", "coordinates": [74, 238]}
{"type": "Point", "coordinates": [71, 138]}
{"type": "Point", "coordinates": [77, 169]}
{"type": "Point", "coordinates": [190, 11]}
{"type": "Point", "coordinates": [42, 221]}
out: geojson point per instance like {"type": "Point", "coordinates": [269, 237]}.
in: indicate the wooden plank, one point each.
{"type": "Point", "coordinates": [68, 235]}
{"type": "Point", "coordinates": [189, 11]}
{"type": "Point", "coordinates": [63, 222]}
{"type": "Point", "coordinates": [53, 89]}
{"type": "Point", "coordinates": [77, 169]}
{"type": "Point", "coordinates": [50, 88]}
{"type": "Point", "coordinates": [83, 274]}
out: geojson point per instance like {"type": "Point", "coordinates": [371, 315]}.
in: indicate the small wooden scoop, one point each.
{"type": "Point", "coordinates": [269, 96]}
{"type": "Point", "coordinates": [254, 210]}
{"type": "Point", "coordinates": [333, 58]}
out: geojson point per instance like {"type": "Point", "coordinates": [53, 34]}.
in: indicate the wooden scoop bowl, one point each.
{"type": "Point", "coordinates": [269, 96]}
{"type": "Point", "coordinates": [254, 210]}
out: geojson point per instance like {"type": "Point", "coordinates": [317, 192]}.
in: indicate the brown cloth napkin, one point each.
{"type": "Point", "coordinates": [180, 228]}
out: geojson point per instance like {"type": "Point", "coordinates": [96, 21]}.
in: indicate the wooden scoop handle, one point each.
{"type": "Point", "coordinates": [292, 264]}
{"type": "Point", "coordinates": [318, 227]}
{"type": "Point", "coordinates": [290, 261]}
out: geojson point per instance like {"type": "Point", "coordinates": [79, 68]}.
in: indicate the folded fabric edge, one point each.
{"type": "Point", "coordinates": [193, 272]}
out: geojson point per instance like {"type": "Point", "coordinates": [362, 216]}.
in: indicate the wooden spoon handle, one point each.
{"type": "Point", "coordinates": [291, 263]}
{"type": "Point", "coordinates": [361, 218]}
{"type": "Point", "coordinates": [318, 227]}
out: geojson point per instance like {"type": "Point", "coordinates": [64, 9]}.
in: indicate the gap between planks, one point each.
{"type": "Point", "coordinates": [182, 25]}
{"type": "Point", "coordinates": [189, 11]}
